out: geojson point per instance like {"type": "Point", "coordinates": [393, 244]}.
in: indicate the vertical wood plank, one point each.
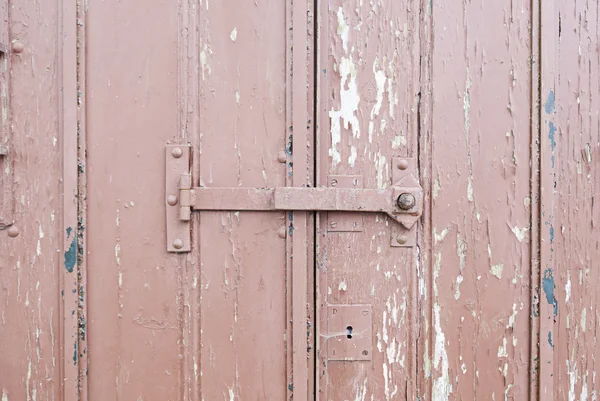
{"type": "Point", "coordinates": [575, 145]}
{"type": "Point", "coordinates": [548, 309]}
{"type": "Point", "coordinates": [481, 197]}
{"type": "Point", "coordinates": [70, 227]}
{"type": "Point", "coordinates": [31, 264]}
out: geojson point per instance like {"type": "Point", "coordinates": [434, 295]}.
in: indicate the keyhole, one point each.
{"type": "Point", "coordinates": [349, 332]}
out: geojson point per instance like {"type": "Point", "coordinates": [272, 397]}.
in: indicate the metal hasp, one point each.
{"type": "Point", "coordinates": [182, 198]}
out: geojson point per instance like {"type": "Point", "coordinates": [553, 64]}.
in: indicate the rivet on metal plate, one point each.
{"type": "Point", "coordinates": [177, 243]}
{"type": "Point", "coordinates": [176, 153]}
{"type": "Point", "coordinates": [18, 47]}
{"type": "Point", "coordinates": [172, 200]}
{"type": "Point", "coordinates": [13, 231]}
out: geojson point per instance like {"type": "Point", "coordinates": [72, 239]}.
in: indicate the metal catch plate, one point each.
{"type": "Point", "coordinates": [345, 221]}
{"type": "Point", "coordinates": [178, 230]}
{"type": "Point", "coordinates": [349, 332]}
{"type": "Point", "coordinates": [404, 170]}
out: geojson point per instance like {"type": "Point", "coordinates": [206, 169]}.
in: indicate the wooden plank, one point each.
{"type": "Point", "coordinates": [367, 113]}
{"type": "Point", "coordinates": [241, 263]}
{"type": "Point", "coordinates": [574, 185]}
{"type": "Point", "coordinates": [32, 263]}
{"type": "Point", "coordinates": [548, 306]}
{"type": "Point", "coordinates": [480, 194]}
{"type": "Point", "coordinates": [135, 290]}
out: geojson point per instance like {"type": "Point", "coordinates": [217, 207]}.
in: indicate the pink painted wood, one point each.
{"type": "Point", "coordinates": [494, 105]}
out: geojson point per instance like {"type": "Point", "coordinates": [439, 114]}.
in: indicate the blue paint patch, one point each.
{"type": "Point", "coordinates": [550, 339]}
{"type": "Point", "coordinates": [71, 256]}
{"type": "Point", "coordinates": [549, 106]}
{"type": "Point", "coordinates": [551, 133]}
{"type": "Point", "coordinates": [549, 286]}
{"type": "Point", "coordinates": [75, 353]}
{"type": "Point", "coordinates": [325, 71]}
{"type": "Point", "coordinates": [69, 230]}
{"type": "Point", "coordinates": [551, 234]}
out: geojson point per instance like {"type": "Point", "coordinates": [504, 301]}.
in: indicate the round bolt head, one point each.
{"type": "Point", "coordinates": [406, 201]}
{"type": "Point", "coordinates": [402, 239]}
{"type": "Point", "coordinates": [172, 200]}
{"type": "Point", "coordinates": [282, 232]}
{"type": "Point", "coordinates": [177, 243]}
{"type": "Point", "coordinates": [403, 164]}
{"type": "Point", "coordinates": [13, 231]}
{"type": "Point", "coordinates": [282, 157]}
{"type": "Point", "coordinates": [176, 153]}
{"type": "Point", "coordinates": [18, 47]}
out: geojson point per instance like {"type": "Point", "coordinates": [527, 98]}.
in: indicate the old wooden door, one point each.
{"type": "Point", "coordinates": [200, 200]}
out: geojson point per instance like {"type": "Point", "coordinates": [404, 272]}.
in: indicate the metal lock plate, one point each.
{"type": "Point", "coordinates": [404, 173]}
{"type": "Point", "coordinates": [349, 332]}
{"type": "Point", "coordinates": [345, 221]}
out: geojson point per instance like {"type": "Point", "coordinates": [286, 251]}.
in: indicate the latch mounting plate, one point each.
{"type": "Point", "coordinates": [177, 174]}
{"type": "Point", "coordinates": [349, 332]}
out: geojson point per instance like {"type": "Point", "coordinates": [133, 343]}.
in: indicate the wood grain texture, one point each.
{"type": "Point", "coordinates": [135, 308]}
{"type": "Point", "coordinates": [574, 233]}
{"type": "Point", "coordinates": [480, 257]}
{"type": "Point", "coordinates": [244, 277]}
{"type": "Point", "coordinates": [31, 263]}
{"type": "Point", "coordinates": [367, 109]}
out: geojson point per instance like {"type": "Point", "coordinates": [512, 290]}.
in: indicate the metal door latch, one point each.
{"type": "Point", "coordinates": [402, 202]}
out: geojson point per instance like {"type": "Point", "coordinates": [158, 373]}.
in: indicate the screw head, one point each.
{"type": "Point", "coordinates": [282, 157]}
{"type": "Point", "coordinates": [13, 231]}
{"type": "Point", "coordinates": [177, 152]}
{"type": "Point", "coordinates": [177, 243]}
{"type": "Point", "coordinates": [172, 200]}
{"type": "Point", "coordinates": [333, 224]}
{"type": "Point", "coordinates": [402, 239]}
{"type": "Point", "coordinates": [403, 164]}
{"type": "Point", "coordinates": [334, 182]}
{"type": "Point", "coordinates": [406, 201]}
{"type": "Point", "coordinates": [18, 47]}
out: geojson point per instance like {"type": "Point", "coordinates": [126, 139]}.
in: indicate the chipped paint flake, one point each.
{"type": "Point", "coordinates": [343, 29]}
{"type": "Point", "coordinates": [349, 100]}
{"type": "Point", "coordinates": [568, 288]}
{"type": "Point", "coordinates": [440, 237]}
{"type": "Point", "coordinates": [520, 233]}
{"type": "Point", "coordinates": [233, 34]}
{"type": "Point", "coordinates": [496, 270]}
{"type": "Point", "coordinates": [441, 386]}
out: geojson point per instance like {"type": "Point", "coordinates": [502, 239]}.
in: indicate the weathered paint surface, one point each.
{"type": "Point", "coordinates": [479, 255]}
{"type": "Point", "coordinates": [498, 102]}
{"type": "Point", "coordinates": [368, 73]}
{"type": "Point", "coordinates": [30, 273]}
{"type": "Point", "coordinates": [575, 236]}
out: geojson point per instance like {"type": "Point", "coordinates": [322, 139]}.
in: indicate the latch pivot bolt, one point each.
{"type": "Point", "coordinates": [403, 164]}
{"type": "Point", "coordinates": [406, 201]}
